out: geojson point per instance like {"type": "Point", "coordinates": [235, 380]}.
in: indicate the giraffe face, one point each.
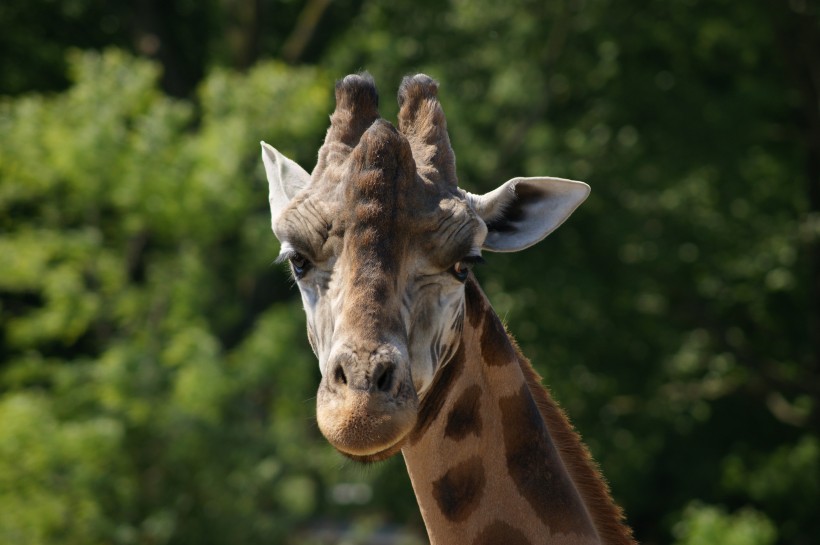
{"type": "Point", "coordinates": [380, 258]}
{"type": "Point", "coordinates": [380, 241]}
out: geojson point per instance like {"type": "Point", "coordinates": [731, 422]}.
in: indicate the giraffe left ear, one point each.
{"type": "Point", "coordinates": [525, 210]}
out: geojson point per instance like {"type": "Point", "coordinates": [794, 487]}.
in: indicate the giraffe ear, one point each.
{"type": "Point", "coordinates": [285, 179]}
{"type": "Point", "coordinates": [525, 210]}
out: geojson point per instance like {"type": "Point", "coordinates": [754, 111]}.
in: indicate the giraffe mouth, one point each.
{"type": "Point", "coordinates": [364, 426]}
{"type": "Point", "coordinates": [376, 456]}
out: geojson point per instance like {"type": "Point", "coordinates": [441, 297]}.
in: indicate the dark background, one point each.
{"type": "Point", "coordinates": [155, 382]}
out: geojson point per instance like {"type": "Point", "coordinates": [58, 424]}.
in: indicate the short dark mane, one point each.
{"type": "Point", "coordinates": [606, 515]}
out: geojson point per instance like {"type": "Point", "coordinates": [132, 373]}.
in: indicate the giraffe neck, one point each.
{"type": "Point", "coordinates": [488, 461]}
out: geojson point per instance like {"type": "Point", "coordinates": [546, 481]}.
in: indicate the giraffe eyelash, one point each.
{"type": "Point", "coordinates": [287, 255]}
{"type": "Point", "coordinates": [299, 264]}
{"type": "Point", "coordinates": [473, 260]}
{"type": "Point", "coordinates": [461, 269]}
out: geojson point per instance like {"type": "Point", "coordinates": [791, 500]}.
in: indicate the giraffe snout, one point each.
{"type": "Point", "coordinates": [366, 404]}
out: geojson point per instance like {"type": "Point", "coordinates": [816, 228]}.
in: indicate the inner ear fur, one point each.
{"type": "Point", "coordinates": [522, 211]}
{"type": "Point", "coordinates": [285, 179]}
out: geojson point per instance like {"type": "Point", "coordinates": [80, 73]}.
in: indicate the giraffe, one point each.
{"type": "Point", "coordinates": [381, 241]}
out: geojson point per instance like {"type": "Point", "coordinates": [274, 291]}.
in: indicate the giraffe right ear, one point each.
{"type": "Point", "coordinates": [524, 210]}
{"type": "Point", "coordinates": [285, 179]}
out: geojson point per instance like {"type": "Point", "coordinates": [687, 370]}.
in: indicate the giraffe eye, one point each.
{"type": "Point", "coordinates": [299, 264]}
{"type": "Point", "coordinates": [461, 269]}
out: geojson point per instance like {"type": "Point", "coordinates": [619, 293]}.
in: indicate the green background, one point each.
{"type": "Point", "coordinates": [156, 386]}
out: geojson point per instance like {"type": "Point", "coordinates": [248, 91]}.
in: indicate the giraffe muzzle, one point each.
{"type": "Point", "coordinates": [366, 403]}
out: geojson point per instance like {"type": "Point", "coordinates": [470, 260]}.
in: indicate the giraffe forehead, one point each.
{"type": "Point", "coordinates": [398, 236]}
{"type": "Point", "coordinates": [373, 217]}
{"type": "Point", "coordinates": [376, 207]}
{"type": "Point", "coordinates": [381, 166]}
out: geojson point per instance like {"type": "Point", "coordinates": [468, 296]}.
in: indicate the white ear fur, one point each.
{"type": "Point", "coordinates": [525, 210]}
{"type": "Point", "coordinates": [285, 179]}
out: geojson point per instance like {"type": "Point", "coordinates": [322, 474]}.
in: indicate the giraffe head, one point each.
{"type": "Point", "coordinates": [380, 241]}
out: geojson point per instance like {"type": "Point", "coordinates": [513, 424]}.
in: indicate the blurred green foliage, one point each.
{"type": "Point", "coordinates": [155, 381]}
{"type": "Point", "coordinates": [704, 525]}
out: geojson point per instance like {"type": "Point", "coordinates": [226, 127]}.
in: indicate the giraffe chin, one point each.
{"type": "Point", "coordinates": [377, 456]}
{"type": "Point", "coordinates": [365, 427]}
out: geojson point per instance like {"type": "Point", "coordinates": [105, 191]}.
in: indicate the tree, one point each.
{"type": "Point", "coordinates": [153, 366]}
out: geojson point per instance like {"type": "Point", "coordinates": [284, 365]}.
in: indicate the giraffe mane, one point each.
{"type": "Point", "coordinates": [606, 515]}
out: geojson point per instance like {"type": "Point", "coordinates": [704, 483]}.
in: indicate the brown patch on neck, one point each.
{"type": "Point", "coordinates": [496, 347]}
{"type": "Point", "coordinates": [535, 466]}
{"type": "Point", "coordinates": [434, 399]}
{"type": "Point", "coordinates": [606, 515]}
{"type": "Point", "coordinates": [458, 492]}
{"type": "Point", "coordinates": [465, 416]}
{"type": "Point", "coordinates": [474, 301]}
{"type": "Point", "coordinates": [499, 532]}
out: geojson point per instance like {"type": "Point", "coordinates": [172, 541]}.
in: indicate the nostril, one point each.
{"type": "Point", "coordinates": [339, 375]}
{"type": "Point", "coordinates": [385, 380]}
{"type": "Point", "coordinates": [347, 373]}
